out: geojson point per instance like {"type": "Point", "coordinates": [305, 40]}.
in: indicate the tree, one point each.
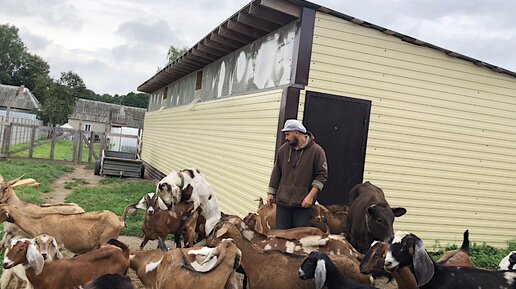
{"type": "Point", "coordinates": [75, 83]}
{"type": "Point", "coordinates": [12, 50]}
{"type": "Point", "coordinates": [173, 53]}
{"type": "Point", "coordinates": [57, 100]}
{"type": "Point", "coordinates": [31, 69]}
{"type": "Point", "coordinates": [17, 65]}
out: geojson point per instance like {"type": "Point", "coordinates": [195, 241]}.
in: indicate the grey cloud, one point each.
{"type": "Point", "coordinates": [34, 42]}
{"type": "Point", "coordinates": [55, 12]}
{"type": "Point", "coordinates": [155, 33]}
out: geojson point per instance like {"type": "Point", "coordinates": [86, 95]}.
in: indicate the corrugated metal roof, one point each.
{"type": "Point", "coordinates": [90, 110]}
{"type": "Point", "coordinates": [17, 97]}
{"type": "Point", "coordinates": [255, 20]}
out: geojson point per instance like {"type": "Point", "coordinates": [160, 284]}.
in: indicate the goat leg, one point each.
{"type": "Point", "coordinates": [144, 242]}
{"type": "Point", "coordinates": [162, 245]}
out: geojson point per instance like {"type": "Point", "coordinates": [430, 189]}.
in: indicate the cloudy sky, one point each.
{"type": "Point", "coordinates": [115, 45]}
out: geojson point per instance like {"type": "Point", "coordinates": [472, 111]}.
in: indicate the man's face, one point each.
{"type": "Point", "coordinates": [291, 137]}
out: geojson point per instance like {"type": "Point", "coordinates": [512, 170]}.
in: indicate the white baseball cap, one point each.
{"type": "Point", "coordinates": [293, 124]}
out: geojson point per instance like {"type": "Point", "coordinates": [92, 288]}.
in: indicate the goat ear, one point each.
{"type": "Point", "coordinates": [423, 265]}
{"type": "Point", "coordinates": [258, 226]}
{"type": "Point", "coordinates": [398, 212]}
{"type": "Point", "coordinates": [260, 202]}
{"type": "Point", "coordinates": [162, 204]}
{"type": "Point", "coordinates": [1, 178]}
{"type": "Point", "coordinates": [35, 259]}
{"type": "Point", "coordinates": [141, 204]}
{"type": "Point", "coordinates": [58, 253]}
{"type": "Point", "coordinates": [320, 274]}
{"type": "Point", "coordinates": [371, 209]}
{"type": "Point", "coordinates": [221, 232]}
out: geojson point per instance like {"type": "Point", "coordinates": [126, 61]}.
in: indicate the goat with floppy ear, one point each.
{"type": "Point", "coordinates": [320, 267]}
{"type": "Point", "coordinates": [407, 250]}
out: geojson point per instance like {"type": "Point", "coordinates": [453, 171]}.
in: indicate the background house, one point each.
{"type": "Point", "coordinates": [436, 130]}
{"type": "Point", "coordinates": [22, 106]}
{"type": "Point", "coordinates": [100, 116]}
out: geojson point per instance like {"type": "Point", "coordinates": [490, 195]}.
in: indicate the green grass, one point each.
{"type": "Point", "coordinates": [43, 172]}
{"type": "Point", "coordinates": [75, 183]}
{"type": "Point", "coordinates": [114, 196]}
{"type": "Point", "coordinates": [483, 256]}
{"type": "Point", "coordinates": [63, 150]}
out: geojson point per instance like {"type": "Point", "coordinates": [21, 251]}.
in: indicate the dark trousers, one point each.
{"type": "Point", "coordinates": [292, 217]}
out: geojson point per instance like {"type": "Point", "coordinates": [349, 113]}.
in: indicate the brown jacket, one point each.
{"type": "Point", "coordinates": [295, 172]}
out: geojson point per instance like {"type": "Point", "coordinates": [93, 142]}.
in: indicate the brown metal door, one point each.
{"type": "Point", "coordinates": [340, 126]}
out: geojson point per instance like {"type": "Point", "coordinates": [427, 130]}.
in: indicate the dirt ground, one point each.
{"type": "Point", "coordinates": [60, 193]}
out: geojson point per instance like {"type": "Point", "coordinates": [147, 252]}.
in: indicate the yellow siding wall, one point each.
{"type": "Point", "coordinates": [442, 134]}
{"type": "Point", "coordinates": [231, 141]}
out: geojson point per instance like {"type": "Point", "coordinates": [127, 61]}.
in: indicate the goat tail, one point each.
{"type": "Point", "coordinates": [127, 208]}
{"type": "Point", "coordinates": [465, 243]}
{"type": "Point", "coordinates": [125, 249]}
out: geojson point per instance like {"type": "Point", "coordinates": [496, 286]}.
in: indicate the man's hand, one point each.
{"type": "Point", "coordinates": [307, 201]}
{"type": "Point", "coordinates": [270, 199]}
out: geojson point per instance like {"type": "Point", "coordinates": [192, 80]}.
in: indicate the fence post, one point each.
{"type": "Point", "coordinates": [52, 147]}
{"type": "Point", "coordinates": [32, 136]}
{"type": "Point", "coordinates": [8, 138]}
{"type": "Point", "coordinates": [102, 145]}
{"type": "Point", "coordinates": [90, 155]}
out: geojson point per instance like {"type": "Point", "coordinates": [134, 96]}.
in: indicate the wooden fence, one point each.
{"type": "Point", "coordinates": [39, 135]}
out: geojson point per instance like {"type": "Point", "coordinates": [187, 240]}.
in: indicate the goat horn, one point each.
{"type": "Point", "coordinates": [10, 183]}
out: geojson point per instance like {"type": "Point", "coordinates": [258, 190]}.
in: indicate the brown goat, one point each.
{"type": "Point", "coordinates": [49, 250]}
{"type": "Point", "coordinates": [333, 245]}
{"type": "Point", "coordinates": [159, 221]}
{"type": "Point", "coordinates": [276, 269]}
{"type": "Point", "coordinates": [458, 257]}
{"type": "Point", "coordinates": [176, 272]}
{"type": "Point", "coordinates": [142, 263]}
{"type": "Point", "coordinates": [331, 219]}
{"type": "Point", "coordinates": [8, 196]}
{"type": "Point", "coordinates": [78, 233]}
{"type": "Point", "coordinates": [68, 273]}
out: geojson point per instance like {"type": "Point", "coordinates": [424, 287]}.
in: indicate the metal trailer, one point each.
{"type": "Point", "coordinates": [120, 164]}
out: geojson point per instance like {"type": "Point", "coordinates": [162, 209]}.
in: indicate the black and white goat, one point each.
{"type": "Point", "coordinates": [508, 262]}
{"type": "Point", "coordinates": [320, 267]}
{"type": "Point", "coordinates": [408, 250]}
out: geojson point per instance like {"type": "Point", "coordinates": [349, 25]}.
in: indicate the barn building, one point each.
{"type": "Point", "coordinates": [100, 116]}
{"type": "Point", "coordinates": [436, 130]}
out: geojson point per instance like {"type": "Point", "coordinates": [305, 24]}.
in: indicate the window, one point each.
{"type": "Point", "coordinates": [198, 82]}
{"type": "Point", "coordinates": [87, 127]}
{"type": "Point", "coordinates": [165, 92]}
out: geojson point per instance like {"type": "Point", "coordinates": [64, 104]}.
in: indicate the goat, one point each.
{"type": "Point", "coordinates": [508, 262]}
{"type": "Point", "coordinates": [78, 233]}
{"type": "Point", "coordinates": [190, 185]}
{"type": "Point", "coordinates": [408, 250]}
{"type": "Point", "coordinates": [331, 219]}
{"type": "Point", "coordinates": [175, 271]}
{"type": "Point", "coordinates": [275, 269]}
{"type": "Point", "coordinates": [67, 273]}
{"type": "Point", "coordinates": [252, 221]}
{"type": "Point", "coordinates": [335, 245]}
{"type": "Point", "coordinates": [458, 257]}
{"type": "Point", "coordinates": [320, 267]}
{"type": "Point", "coordinates": [144, 263]}
{"type": "Point", "coordinates": [110, 281]}
{"type": "Point", "coordinates": [373, 262]}
{"type": "Point", "coordinates": [48, 249]}
{"type": "Point", "coordinates": [159, 221]}
{"type": "Point", "coordinates": [8, 196]}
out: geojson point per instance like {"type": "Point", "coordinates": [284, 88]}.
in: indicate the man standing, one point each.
{"type": "Point", "coordinates": [300, 171]}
